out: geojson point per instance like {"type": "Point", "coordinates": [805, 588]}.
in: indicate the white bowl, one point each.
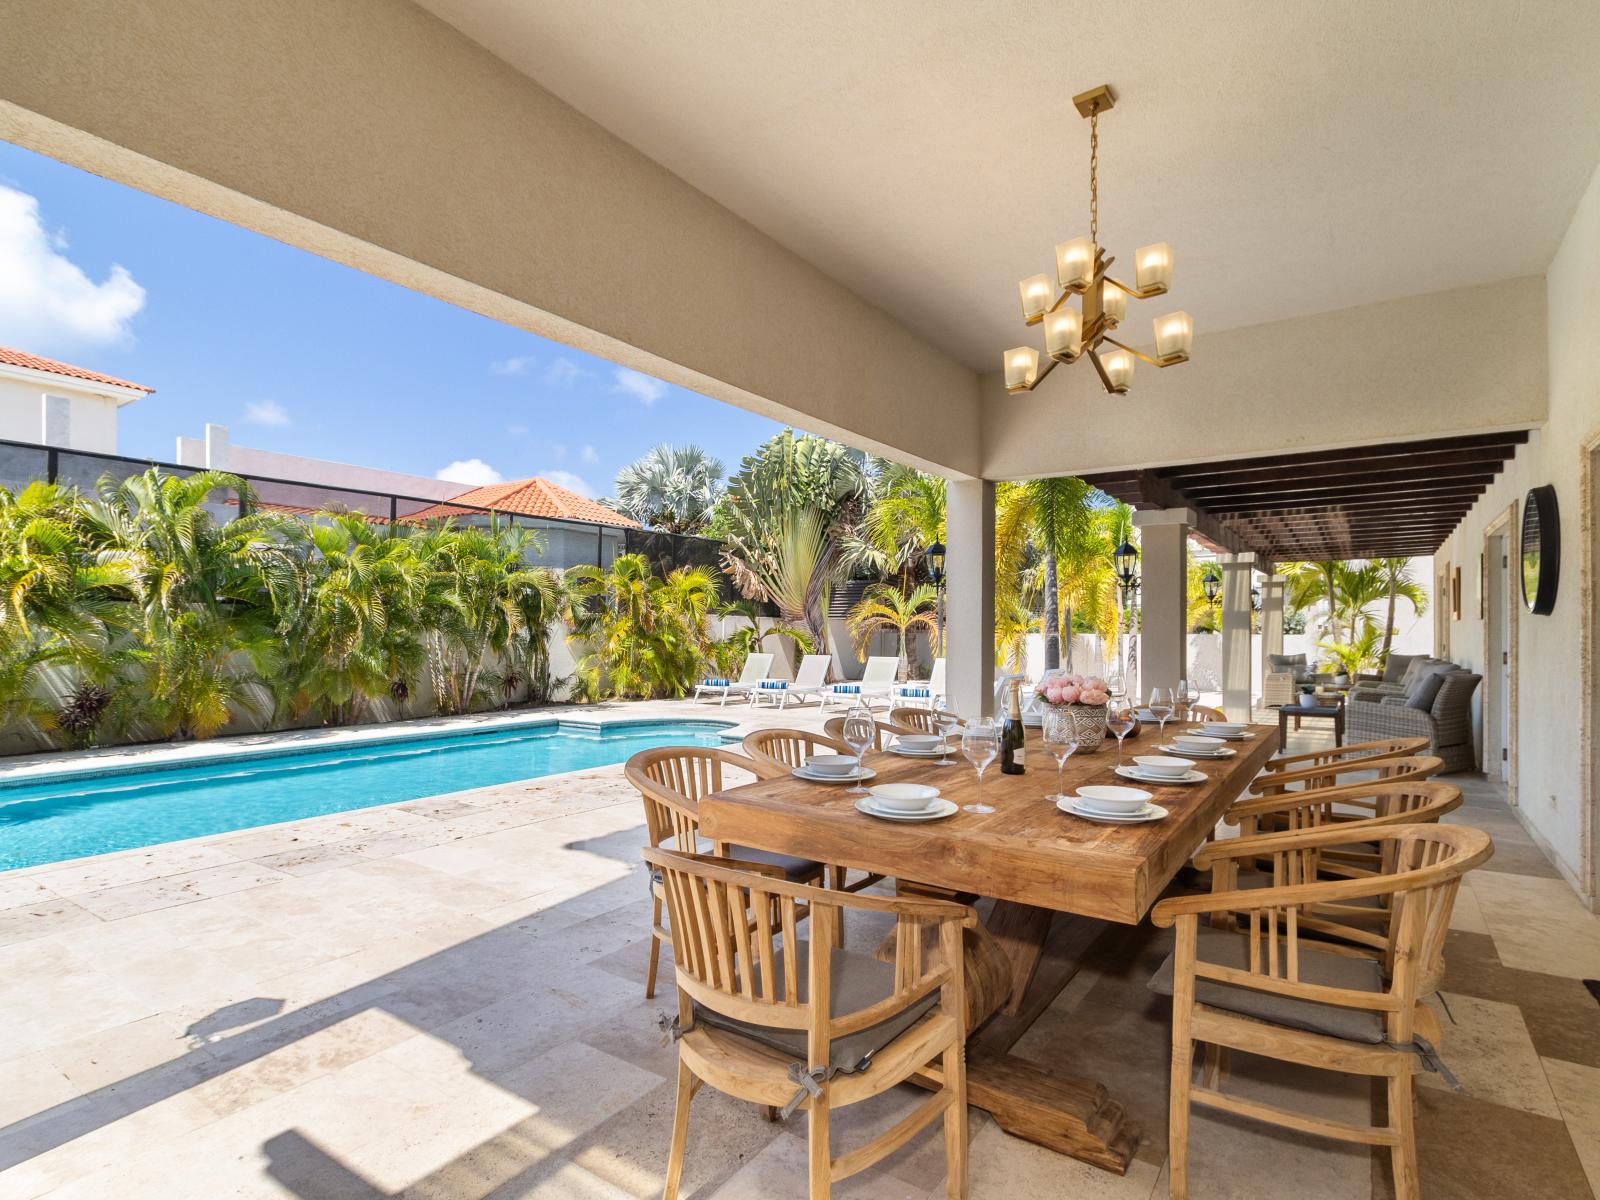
{"type": "Point", "coordinates": [1113, 799]}
{"type": "Point", "coordinates": [1162, 764]}
{"type": "Point", "coordinates": [903, 797]}
{"type": "Point", "coordinates": [1189, 741]}
{"type": "Point", "coordinates": [1226, 726]}
{"type": "Point", "coordinates": [918, 741]}
{"type": "Point", "coordinates": [831, 764]}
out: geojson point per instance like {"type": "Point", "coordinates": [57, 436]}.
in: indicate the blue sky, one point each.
{"type": "Point", "coordinates": [302, 355]}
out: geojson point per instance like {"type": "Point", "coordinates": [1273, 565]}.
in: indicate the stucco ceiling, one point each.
{"type": "Point", "coordinates": [1298, 157]}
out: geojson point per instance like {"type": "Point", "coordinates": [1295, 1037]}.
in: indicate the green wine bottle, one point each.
{"type": "Point", "coordinates": [1013, 735]}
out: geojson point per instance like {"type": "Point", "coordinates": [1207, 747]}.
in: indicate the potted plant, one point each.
{"type": "Point", "coordinates": [1308, 695]}
{"type": "Point", "coordinates": [1083, 698]}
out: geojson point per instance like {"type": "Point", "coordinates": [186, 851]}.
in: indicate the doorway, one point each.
{"type": "Point", "coordinates": [1499, 710]}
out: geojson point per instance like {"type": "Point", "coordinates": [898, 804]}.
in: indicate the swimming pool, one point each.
{"type": "Point", "coordinates": [119, 808]}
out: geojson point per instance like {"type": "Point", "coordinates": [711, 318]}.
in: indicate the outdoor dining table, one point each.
{"type": "Point", "coordinates": [1034, 862]}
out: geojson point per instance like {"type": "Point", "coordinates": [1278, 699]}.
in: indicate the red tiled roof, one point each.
{"type": "Point", "coordinates": [534, 497]}
{"type": "Point", "coordinates": [33, 362]}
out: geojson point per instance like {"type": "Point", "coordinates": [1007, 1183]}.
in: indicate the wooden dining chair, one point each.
{"type": "Point", "coordinates": [1340, 774]}
{"type": "Point", "coordinates": [671, 780]}
{"type": "Point", "coordinates": [1271, 991]}
{"type": "Point", "coordinates": [776, 752]}
{"type": "Point", "coordinates": [1369, 752]}
{"type": "Point", "coordinates": [1201, 714]}
{"type": "Point", "coordinates": [914, 720]}
{"type": "Point", "coordinates": [766, 1017]}
{"type": "Point", "coordinates": [882, 732]}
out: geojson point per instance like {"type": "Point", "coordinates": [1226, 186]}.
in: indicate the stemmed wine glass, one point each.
{"type": "Point", "coordinates": [1189, 694]}
{"type": "Point", "coordinates": [1119, 720]}
{"type": "Point", "coordinates": [947, 721]}
{"type": "Point", "coordinates": [980, 742]}
{"type": "Point", "coordinates": [1060, 736]}
{"type": "Point", "coordinates": [1162, 704]}
{"type": "Point", "coordinates": [860, 729]}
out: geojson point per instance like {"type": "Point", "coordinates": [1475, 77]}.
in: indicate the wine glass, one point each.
{"type": "Point", "coordinates": [1189, 693]}
{"type": "Point", "coordinates": [980, 743]}
{"type": "Point", "coordinates": [1119, 720]}
{"type": "Point", "coordinates": [860, 729]}
{"type": "Point", "coordinates": [946, 720]}
{"type": "Point", "coordinates": [1162, 703]}
{"type": "Point", "coordinates": [1060, 737]}
{"type": "Point", "coordinates": [1114, 685]}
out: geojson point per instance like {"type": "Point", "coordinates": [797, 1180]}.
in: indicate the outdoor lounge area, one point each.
{"type": "Point", "coordinates": [1066, 756]}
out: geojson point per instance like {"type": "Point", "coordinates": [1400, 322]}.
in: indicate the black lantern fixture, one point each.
{"type": "Point", "coordinates": [1212, 586]}
{"type": "Point", "coordinates": [935, 553]}
{"type": "Point", "coordinates": [1126, 559]}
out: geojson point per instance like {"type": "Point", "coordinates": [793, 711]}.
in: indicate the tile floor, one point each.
{"type": "Point", "coordinates": [442, 1000]}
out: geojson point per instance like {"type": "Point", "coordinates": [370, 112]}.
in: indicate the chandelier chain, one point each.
{"type": "Point", "coordinates": [1094, 181]}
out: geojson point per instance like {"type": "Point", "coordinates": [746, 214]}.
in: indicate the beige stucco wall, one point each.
{"type": "Point", "coordinates": [1550, 761]}
{"type": "Point", "coordinates": [92, 420]}
{"type": "Point", "coordinates": [373, 133]}
{"type": "Point", "coordinates": [1445, 363]}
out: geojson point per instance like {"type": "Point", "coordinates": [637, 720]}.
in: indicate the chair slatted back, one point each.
{"type": "Point", "coordinates": [671, 780]}
{"type": "Point", "coordinates": [882, 731]}
{"type": "Point", "coordinates": [1335, 775]}
{"type": "Point", "coordinates": [906, 719]}
{"type": "Point", "coordinates": [1367, 752]}
{"type": "Point", "coordinates": [776, 752]}
{"type": "Point", "coordinates": [1203, 714]}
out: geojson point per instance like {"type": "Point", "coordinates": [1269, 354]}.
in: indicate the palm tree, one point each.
{"type": "Point", "coordinates": [906, 515]}
{"type": "Point", "coordinates": [640, 635]}
{"type": "Point", "coordinates": [1057, 517]}
{"type": "Point", "coordinates": [671, 488]}
{"type": "Point", "coordinates": [1398, 581]}
{"type": "Point", "coordinates": [885, 607]}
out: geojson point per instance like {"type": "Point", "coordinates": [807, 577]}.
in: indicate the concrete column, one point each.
{"type": "Point", "coordinates": [1272, 589]}
{"type": "Point", "coordinates": [1164, 593]}
{"type": "Point", "coordinates": [55, 421]}
{"type": "Point", "coordinates": [1237, 570]}
{"type": "Point", "coordinates": [969, 596]}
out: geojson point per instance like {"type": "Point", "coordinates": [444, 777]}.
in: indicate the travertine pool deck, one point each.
{"type": "Point", "coordinates": [444, 999]}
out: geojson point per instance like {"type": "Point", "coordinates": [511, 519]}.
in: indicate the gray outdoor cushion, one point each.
{"type": "Point", "coordinates": [1426, 690]}
{"type": "Point", "coordinates": [1397, 666]}
{"type": "Point", "coordinates": [793, 868]}
{"type": "Point", "coordinates": [1416, 664]}
{"type": "Point", "coordinates": [1225, 949]}
{"type": "Point", "coordinates": [1294, 664]}
{"type": "Point", "coordinates": [859, 981]}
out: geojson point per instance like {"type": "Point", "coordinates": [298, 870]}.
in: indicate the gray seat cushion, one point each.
{"type": "Point", "coordinates": [1395, 669]}
{"type": "Point", "coordinates": [794, 869]}
{"type": "Point", "coordinates": [1224, 949]}
{"type": "Point", "coordinates": [859, 981]}
{"type": "Point", "coordinates": [1291, 664]}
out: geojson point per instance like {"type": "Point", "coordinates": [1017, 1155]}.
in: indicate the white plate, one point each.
{"type": "Point", "coordinates": [1225, 752]}
{"type": "Point", "coordinates": [860, 776]}
{"type": "Point", "coordinates": [936, 811]}
{"type": "Point", "coordinates": [903, 753]}
{"type": "Point", "coordinates": [1227, 737]}
{"type": "Point", "coordinates": [1151, 812]}
{"type": "Point", "coordinates": [1162, 780]}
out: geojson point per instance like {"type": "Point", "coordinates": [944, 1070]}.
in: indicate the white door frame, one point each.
{"type": "Point", "coordinates": [1503, 530]}
{"type": "Point", "coordinates": [1589, 669]}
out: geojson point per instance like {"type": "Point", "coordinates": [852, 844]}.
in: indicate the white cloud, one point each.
{"type": "Point", "coordinates": [558, 451]}
{"type": "Point", "coordinates": [512, 366]}
{"type": "Point", "coordinates": [517, 430]}
{"type": "Point", "coordinates": [573, 483]}
{"type": "Point", "coordinates": [46, 300]}
{"type": "Point", "coordinates": [588, 454]}
{"type": "Point", "coordinates": [472, 471]}
{"type": "Point", "coordinates": [267, 412]}
{"type": "Point", "coordinates": [563, 373]}
{"type": "Point", "coordinates": [640, 387]}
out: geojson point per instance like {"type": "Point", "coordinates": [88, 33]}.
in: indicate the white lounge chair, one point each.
{"type": "Point", "coordinates": [876, 683]}
{"type": "Point", "coordinates": [756, 668]}
{"type": "Point", "coordinates": [924, 692]}
{"type": "Point", "coordinates": [808, 684]}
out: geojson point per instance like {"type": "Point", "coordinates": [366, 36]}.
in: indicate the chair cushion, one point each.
{"type": "Point", "coordinates": [793, 868]}
{"type": "Point", "coordinates": [773, 685]}
{"type": "Point", "coordinates": [1290, 664]}
{"type": "Point", "coordinates": [859, 981]}
{"type": "Point", "coordinates": [847, 689]}
{"type": "Point", "coordinates": [1225, 949]}
{"type": "Point", "coordinates": [715, 682]}
{"type": "Point", "coordinates": [1426, 683]}
{"type": "Point", "coordinates": [1398, 665]}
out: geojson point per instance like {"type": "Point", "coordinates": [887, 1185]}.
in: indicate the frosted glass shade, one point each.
{"type": "Point", "coordinates": [1075, 264]}
{"type": "Point", "coordinates": [1174, 335]}
{"type": "Point", "coordinates": [1119, 369]}
{"type": "Point", "coordinates": [1063, 333]}
{"type": "Point", "coordinates": [1036, 296]}
{"type": "Point", "coordinates": [1113, 302]}
{"type": "Point", "coordinates": [1022, 368]}
{"type": "Point", "coordinates": [1153, 267]}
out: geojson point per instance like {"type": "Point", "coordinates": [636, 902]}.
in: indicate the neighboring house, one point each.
{"type": "Point", "coordinates": [56, 404]}
{"type": "Point", "coordinates": [566, 545]}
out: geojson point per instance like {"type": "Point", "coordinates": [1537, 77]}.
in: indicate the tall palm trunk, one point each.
{"type": "Point", "coordinates": [1333, 601]}
{"type": "Point", "coordinates": [1388, 624]}
{"type": "Point", "coordinates": [1052, 616]}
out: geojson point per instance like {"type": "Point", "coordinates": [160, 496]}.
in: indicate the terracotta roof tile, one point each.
{"type": "Point", "coordinates": [34, 362]}
{"type": "Point", "coordinates": [534, 497]}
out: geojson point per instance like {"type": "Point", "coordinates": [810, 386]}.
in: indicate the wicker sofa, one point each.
{"type": "Point", "coordinates": [1378, 711]}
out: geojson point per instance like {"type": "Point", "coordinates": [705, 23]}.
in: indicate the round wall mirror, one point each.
{"type": "Point", "coordinates": [1541, 549]}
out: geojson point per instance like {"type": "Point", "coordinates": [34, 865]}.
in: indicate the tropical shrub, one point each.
{"type": "Point", "coordinates": [639, 636]}
{"type": "Point", "coordinates": [883, 607]}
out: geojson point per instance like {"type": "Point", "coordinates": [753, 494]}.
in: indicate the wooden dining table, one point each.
{"type": "Point", "coordinates": [1035, 863]}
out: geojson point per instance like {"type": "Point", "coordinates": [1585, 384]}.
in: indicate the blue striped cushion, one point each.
{"type": "Point", "coordinates": [775, 685]}
{"type": "Point", "coordinates": [916, 691]}
{"type": "Point", "coordinates": [715, 682]}
{"type": "Point", "coordinates": [847, 689]}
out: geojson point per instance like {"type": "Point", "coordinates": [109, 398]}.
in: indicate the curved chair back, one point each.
{"type": "Point", "coordinates": [776, 752]}
{"type": "Point", "coordinates": [907, 719]}
{"type": "Point", "coordinates": [882, 731]}
{"type": "Point", "coordinates": [671, 780]}
{"type": "Point", "coordinates": [1369, 752]}
{"type": "Point", "coordinates": [1203, 714]}
{"type": "Point", "coordinates": [1336, 775]}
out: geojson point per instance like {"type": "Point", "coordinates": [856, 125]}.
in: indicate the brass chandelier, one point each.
{"type": "Point", "coordinates": [1081, 270]}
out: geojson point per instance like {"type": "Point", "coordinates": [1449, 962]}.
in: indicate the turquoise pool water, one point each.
{"type": "Point", "coordinates": [120, 808]}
